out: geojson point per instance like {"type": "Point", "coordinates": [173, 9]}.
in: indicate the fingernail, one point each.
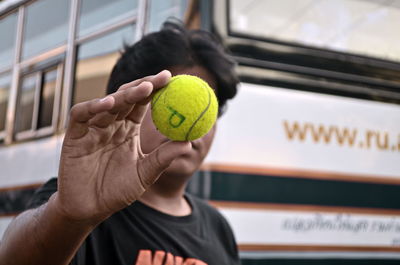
{"type": "Point", "coordinates": [165, 71]}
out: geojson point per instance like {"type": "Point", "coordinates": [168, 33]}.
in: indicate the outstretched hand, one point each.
{"type": "Point", "coordinates": [102, 167]}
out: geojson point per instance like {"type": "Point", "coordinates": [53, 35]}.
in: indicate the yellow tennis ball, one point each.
{"type": "Point", "coordinates": [185, 109]}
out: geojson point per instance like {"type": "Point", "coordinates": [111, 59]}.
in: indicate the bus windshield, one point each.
{"type": "Point", "coordinates": [362, 27]}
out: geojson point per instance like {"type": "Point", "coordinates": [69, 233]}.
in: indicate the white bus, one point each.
{"type": "Point", "coordinates": [306, 162]}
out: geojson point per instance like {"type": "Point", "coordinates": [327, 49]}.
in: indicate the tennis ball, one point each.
{"type": "Point", "coordinates": [185, 109]}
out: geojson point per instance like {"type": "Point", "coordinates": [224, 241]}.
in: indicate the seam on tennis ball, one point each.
{"type": "Point", "coordinates": [164, 89]}
{"type": "Point", "coordinates": [201, 114]}
{"type": "Point", "coordinates": [153, 105]}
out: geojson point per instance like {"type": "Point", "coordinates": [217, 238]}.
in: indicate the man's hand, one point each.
{"type": "Point", "coordinates": [102, 167]}
{"type": "Point", "coordinates": [102, 170]}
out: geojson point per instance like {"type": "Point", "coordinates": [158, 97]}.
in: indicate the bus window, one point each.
{"type": "Point", "coordinates": [45, 30]}
{"type": "Point", "coordinates": [96, 14]}
{"type": "Point", "coordinates": [358, 27]}
{"type": "Point", "coordinates": [47, 97]}
{"type": "Point", "coordinates": [5, 81]}
{"type": "Point", "coordinates": [161, 10]}
{"type": "Point", "coordinates": [38, 103]}
{"type": "Point", "coordinates": [7, 45]}
{"type": "Point", "coordinates": [95, 61]}
{"type": "Point", "coordinates": [25, 106]}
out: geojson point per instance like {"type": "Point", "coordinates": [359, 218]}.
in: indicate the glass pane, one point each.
{"type": "Point", "coordinates": [47, 98]}
{"type": "Point", "coordinates": [46, 26]}
{"type": "Point", "coordinates": [95, 62]}
{"type": "Point", "coordinates": [25, 105]}
{"type": "Point", "coordinates": [5, 83]}
{"type": "Point", "coordinates": [8, 27]}
{"type": "Point", "coordinates": [97, 13]}
{"type": "Point", "coordinates": [161, 10]}
{"type": "Point", "coordinates": [361, 27]}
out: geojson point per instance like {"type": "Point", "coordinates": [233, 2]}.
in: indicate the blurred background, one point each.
{"type": "Point", "coordinates": [306, 161]}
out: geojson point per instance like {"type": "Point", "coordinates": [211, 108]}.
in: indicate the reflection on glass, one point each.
{"type": "Point", "coordinates": [46, 26]}
{"type": "Point", "coordinates": [95, 13]}
{"type": "Point", "coordinates": [47, 98]}
{"type": "Point", "coordinates": [95, 62]}
{"type": "Point", "coordinates": [8, 26]}
{"type": "Point", "coordinates": [361, 27]}
{"type": "Point", "coordinates": [26, 101]}
{"type": "Point", "coordinates": [5, 82]}
{"type": "Point", "coordinates": [161, 10]}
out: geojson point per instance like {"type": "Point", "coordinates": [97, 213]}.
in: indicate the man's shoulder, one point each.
{"type": "Point", "coordinates": [206, 209]}
{"type": "Point", "coordinates": [218, 224]}
{"type": "Point", "coordinates": [202, 204]}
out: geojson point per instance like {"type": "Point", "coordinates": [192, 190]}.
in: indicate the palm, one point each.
{"type": "Point", "coordinates": [102, 168]}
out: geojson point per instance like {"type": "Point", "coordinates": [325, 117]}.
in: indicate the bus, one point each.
{"type": "Point", "coordinates": [305, 165]}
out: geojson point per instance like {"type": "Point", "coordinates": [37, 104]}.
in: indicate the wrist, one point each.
{"type": "Point", "coordinates": [60, 213]}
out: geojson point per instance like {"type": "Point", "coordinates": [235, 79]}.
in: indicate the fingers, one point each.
{"type": "Point", "coordinates": [158, 160]}
{"type": "Point", "coordinates": [138, 112]}
{"type": "Point", "coordinates": [125, 101]}
{"type": "Point", "coordinates": [81, 113]}
{"type": "Point", "coordinates": [159, 80]}
{"type": "Point", "coordinates": [102, 112]}
{"type": "Point", "coordinates": [117, 106]}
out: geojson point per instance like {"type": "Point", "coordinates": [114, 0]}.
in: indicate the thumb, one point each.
{"type": "Point", "coordinates": [157, 161]}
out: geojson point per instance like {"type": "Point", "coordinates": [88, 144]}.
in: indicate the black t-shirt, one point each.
{"type": "Point", "coordinates": [141, 235]}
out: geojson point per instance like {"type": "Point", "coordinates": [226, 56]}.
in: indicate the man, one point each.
{"type": "Point", "coordinates": [120, 194]}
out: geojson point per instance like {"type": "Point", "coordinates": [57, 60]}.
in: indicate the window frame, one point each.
{"type": "Point", "coordinates": [138, 17]}
{"type": "Point", "coordinates": [34, 132]}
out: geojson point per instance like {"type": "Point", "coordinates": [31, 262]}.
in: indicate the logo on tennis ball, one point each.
{"type": "Point", "coordinates": [176, 119]}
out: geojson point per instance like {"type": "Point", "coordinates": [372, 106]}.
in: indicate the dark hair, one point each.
{"type": "Point", "coordinates": [175, 46]}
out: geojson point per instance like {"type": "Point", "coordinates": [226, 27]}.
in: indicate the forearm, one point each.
{"type": "Point", "coordinates": [43, 236]}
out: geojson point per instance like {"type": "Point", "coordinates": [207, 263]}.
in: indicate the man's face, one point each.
{"type": "Point", "coordinates": [151, 138]}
